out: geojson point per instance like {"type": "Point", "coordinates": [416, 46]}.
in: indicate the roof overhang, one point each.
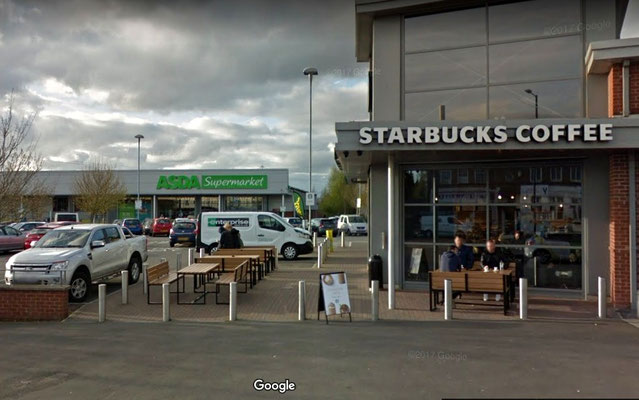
{"type": "Point", "coordinates": [601, 55]}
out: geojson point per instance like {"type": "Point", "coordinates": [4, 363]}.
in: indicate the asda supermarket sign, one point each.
{"type": "Point", "coordinates": [193, 182]}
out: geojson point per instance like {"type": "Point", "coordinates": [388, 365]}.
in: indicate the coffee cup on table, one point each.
{"type": "Point", "coordinates": [486, 268]}
{"type": "Point", "coordinates": [495, 269]}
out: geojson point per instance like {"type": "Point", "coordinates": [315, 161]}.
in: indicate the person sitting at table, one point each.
{"type": "Point", "coordinates": [464, 252]}
{"type": "Point", "coordinates": [230, 237]}
{"type": "Point", "coordinates": [449, 260]}
{"type": "Point", "coordinates": [490, 259]}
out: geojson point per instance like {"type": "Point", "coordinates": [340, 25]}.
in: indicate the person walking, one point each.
{"type": "Point", "coordinates": [230, 237]}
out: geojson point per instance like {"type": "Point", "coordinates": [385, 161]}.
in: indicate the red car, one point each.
{"type": "Point", "coordinates": [161, 226]}
{"type": "Point", "coordinates": [36, 234]}
{"type": "Point", "coordinates": [10, 239]}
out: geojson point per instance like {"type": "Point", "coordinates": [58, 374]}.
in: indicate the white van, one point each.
{"type": "Point", "coordinates": [352, 225]}
{"type": "Point", "coordinates": [66, 217]}
{"type": "Point", "coordinates": [256, 229]}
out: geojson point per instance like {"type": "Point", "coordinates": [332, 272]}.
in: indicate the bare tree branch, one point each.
{"type": "Point", "coordinates": [98, 189]}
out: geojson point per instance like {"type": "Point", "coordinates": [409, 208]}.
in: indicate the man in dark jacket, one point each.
{"type": "Point", "coordinates": [449, 260]}
{"type": "Point", "coordinates": [465, 253]}
{"type": "Point", "coordinates": [229, 238]}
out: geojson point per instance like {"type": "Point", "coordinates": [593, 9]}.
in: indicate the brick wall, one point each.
{"type": "Point", "coordinates": [619, 228]}
{"type": "Point", "coordinates": [615, 89]}
{"type": "Point", "coordinates": [34, 303]}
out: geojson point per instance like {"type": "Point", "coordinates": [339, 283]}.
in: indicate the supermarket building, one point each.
{"type": "Point", "coordinates": [182, 193]}
{"type": "Point", "coordinates": [497, 117]}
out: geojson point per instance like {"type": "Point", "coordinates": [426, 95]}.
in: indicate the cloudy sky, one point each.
{"type": "Point", "coordinates": [209, 86]}
{"type": "Point", "coordinates": [214, 84]}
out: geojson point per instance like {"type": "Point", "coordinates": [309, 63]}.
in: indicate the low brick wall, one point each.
{"type": "Point", "coordinates": [34, 302]}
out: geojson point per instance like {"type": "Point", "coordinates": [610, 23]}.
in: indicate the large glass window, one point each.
{"type": "Point", "coordinates": [533, 210]}
{"type": "Point", "coordinates": [535, 45]}
{"type": "Point", "coordinates": [243, 203]}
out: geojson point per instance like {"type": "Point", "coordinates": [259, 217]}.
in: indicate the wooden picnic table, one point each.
{"type": "Point", "coordinates": [474, 281]}
{"type": "Point", "coordinates": [201, 273]}
{"type": "Point", "coordinates": [254, 263]}
{"type": "Point", "coordinates": [269, 254]}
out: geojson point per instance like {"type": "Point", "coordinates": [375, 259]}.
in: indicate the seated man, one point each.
{"type": "Point", "coordinates": [464, 252]}
{"type": "Point", "coordinates": [449, 260]}
{"type": "Point", "coordinates": [490, 259]}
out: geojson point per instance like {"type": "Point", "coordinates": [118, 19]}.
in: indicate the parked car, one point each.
{"type": "Point", "coordinates": [321, 225]}
{"type": "Point", "coordinates": [11, 239]}
{"type": "Point", "coordinates": [543, 248]}
{"type": "Point", "coordinates": [161, 226]}
{"type": "Point", "coordinates": [183, 232]}
{"type": "Point", "coordinates": [134, 225]}
{"type": "Point", "coordinates": [66, 216]}
{"type": "Point", "coordinates": [352, 225]}
{"type": "Point", "coordinates": [256, 229]}
{"type": "Point", "coordinates": [78, 255]}
{"type": "Point", "coordinates": [27, 226]}
{"type": "Point", "coordinates": [36, 234]}
{"type": "Point", "coordinates": [146, 225]}
{"type": "Point", "coordinates": [295, 222]}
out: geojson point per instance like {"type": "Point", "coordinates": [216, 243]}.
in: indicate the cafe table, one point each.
{"type": "Point", "coordinates": [254, 263]}
{"type": "Point", "coordinates": [201, 273]}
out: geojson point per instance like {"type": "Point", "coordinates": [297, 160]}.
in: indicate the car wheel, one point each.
{"type": "Point", "coordinates": [211, 248]}
{"type": "Point", "coordinates": [289, 251]}
{"type": "Point", "coordinates": [171, 244]}
{"type": "Point", "coordinates": [135, 268]}
{"type": "Point", "coordinates": [80, 285]}
{"type": "Point", "coordinates": [152, 234]}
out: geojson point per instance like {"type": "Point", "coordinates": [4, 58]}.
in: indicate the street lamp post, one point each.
{"type": "Point", "coordinates": [536, 102]}
{"type": "Point", "coordinates": [137, 203]}
{"type": "Point", "coordinates": [310, 71]}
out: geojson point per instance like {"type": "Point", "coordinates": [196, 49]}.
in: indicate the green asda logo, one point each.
{"type": "Point", "coordinates": [176, 182]}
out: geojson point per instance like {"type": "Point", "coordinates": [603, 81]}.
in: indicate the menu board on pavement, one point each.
{"type": "Point", "coordinates": [334, 299]}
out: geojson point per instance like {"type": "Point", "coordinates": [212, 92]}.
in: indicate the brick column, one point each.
{"type": "Point", "coordinates": [619, 227]}
{"type": "Point", "coordinates": [615, 90]}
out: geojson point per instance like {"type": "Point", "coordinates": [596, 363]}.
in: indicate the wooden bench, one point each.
{"type": "Point", "coordinates": [236, 274]}
{"type": "Point", "coordinates": [270, 253]}
{"type": "Point", "coordinates": [472, 282]}
{"type": "Point", "coordinates": [264, 261]}
{"type": "Point", "coordinates": [158, 275]}
{"type": "Point", "coordinates": [253, 269]}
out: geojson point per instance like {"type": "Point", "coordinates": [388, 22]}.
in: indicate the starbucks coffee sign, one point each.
{"type": "Point", "coordinates": [194, 182]}
{"type": "Point", "coordinates": [486, 134]}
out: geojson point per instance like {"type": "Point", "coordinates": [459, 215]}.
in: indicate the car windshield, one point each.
{"type": "Point", "coordinates": [356, 219]}
{"type": "Point", "coordinates": [64, 239]}
{"type": "Point", "coordinates": [163, 221]}
{"type": "Point", "coordinates": [66, 217]}
{"type": "Point", "coordinates": [184, 225]}
{"type": "Point", "coordinates": [295, 220]}
{"type": "Point", "coordinates": [132, 222]}
{"type": "Point", "coordinates": [39, 231]}
{"type": "Point", "coordinates": [281, 220]}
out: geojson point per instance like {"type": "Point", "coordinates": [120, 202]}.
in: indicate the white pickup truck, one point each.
{"type": "Point", "coordinates": [79, 255]}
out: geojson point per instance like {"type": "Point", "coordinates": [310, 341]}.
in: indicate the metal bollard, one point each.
{"type": "Point", "coordinates": [342, 238]}
{"type": "Point", "coordinates": [191, 253]}
{"type": "Point", "coordinates": [350, 244]}
{"type": "Point", "coordinates": [523, 298]}
{"type": "Point", "coordinates": [101, 302]}
{"type": "Point", "coordinates": [166, 312]}
{"type": "Point", "coordinates": [448, 299]}
{"type": "Point", "coordinates": [314, 239]}
{"type": "Point", "coordinates": [602, 300]}
{"type": "Point", "coordinates": [301, 313]}
{"type": "Point", "coordinates": [125, 286]}
{"type": "Point", "coordinates": [145, 279]}
{"type": "Point", "coordinates": [319, 256]}
{"type": "Point", "coordinates": [202, 252]}
{"type": "Point", "coordinates": [233, 301]}
{"type": "Point", "coordinates": [375, 300]}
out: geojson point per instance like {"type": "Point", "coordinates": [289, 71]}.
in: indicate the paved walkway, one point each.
{"type": "Point", "coordinates": [275, 298]}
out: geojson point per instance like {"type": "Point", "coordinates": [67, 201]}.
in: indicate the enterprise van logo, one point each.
{"type": "Point", "coordinates": [486, 134]}
{"type": "Point", "coordinates": [175, 182]}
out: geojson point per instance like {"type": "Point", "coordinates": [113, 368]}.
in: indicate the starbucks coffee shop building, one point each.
{"type": "Point", "coordinates": [182, 193]}
{"type": "Point", "coordinates": [492, 118]}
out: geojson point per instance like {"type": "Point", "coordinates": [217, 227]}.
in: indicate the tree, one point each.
{"type": "Point", "coordinates": [340, 197]}
{"type": "Point", "coordinates": [98, 189]}
{"type": "Point", "coordinates": [19, 161]}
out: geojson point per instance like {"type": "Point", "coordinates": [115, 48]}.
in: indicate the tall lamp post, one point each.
{"type": "Point", "coordinates": [310, 71]}
{"type": "Point", "coordinates": [530, 92]}
{"type": "Point", "coordinates": [137, 203]}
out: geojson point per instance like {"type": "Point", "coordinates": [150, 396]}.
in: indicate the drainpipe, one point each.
{"type": "Point", "coordinates": [632, 237]}
{"type": "Point", "coordinates": [390, 239]}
